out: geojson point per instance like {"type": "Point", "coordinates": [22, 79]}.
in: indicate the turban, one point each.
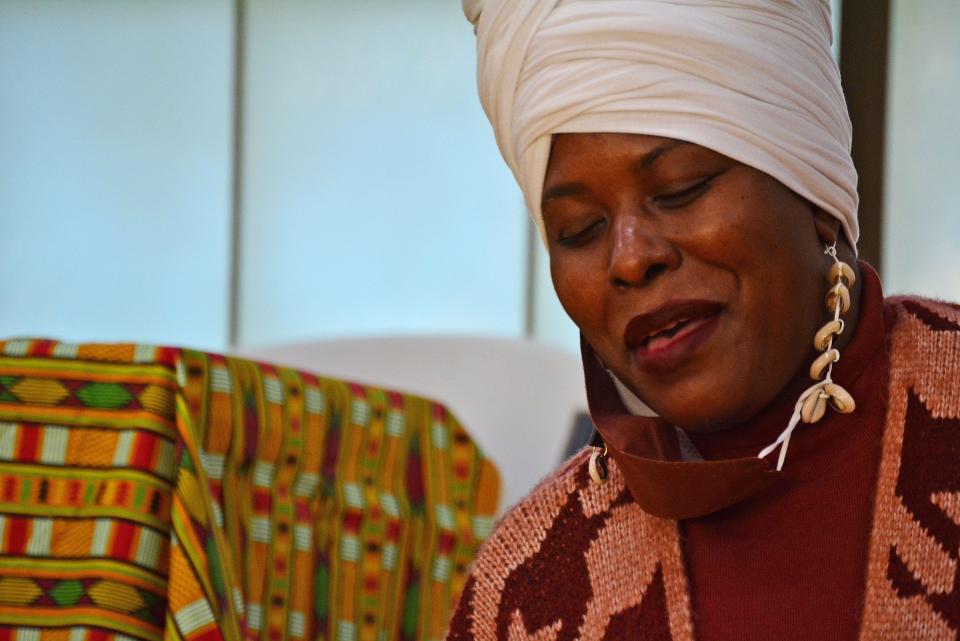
{"type": "Point", "coordinates": [754, 80]}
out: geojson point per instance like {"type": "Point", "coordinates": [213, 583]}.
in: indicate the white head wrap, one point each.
{"type": "Point", "coordinates": [754, 80]}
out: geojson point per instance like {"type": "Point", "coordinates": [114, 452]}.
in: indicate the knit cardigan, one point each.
{"type": "Point", "coordinates": [578, 561]}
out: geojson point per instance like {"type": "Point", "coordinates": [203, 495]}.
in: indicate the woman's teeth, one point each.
{"type": "Point", "coordinates": [665, 335]}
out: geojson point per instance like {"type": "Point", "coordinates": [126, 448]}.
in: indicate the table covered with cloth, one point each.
{"type": "Point", "coordinates": [152, 493]}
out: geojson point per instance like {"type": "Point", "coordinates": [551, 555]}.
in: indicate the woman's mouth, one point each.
{"type": "Point", "coordinates": [664, 339]}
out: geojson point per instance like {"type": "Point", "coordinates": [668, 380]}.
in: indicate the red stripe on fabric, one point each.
{"type": "Point", "coordinates": [167, 355]}
{"type": "Point", "coordinates": [17, 535]}
{"type": "Point", "coordinates": [446, 543]}
{"type": "Point", "coordinates": [302, 511]}
{"type": "Point", "coordinates": [144, 449]}
{"type": "Point", "coordinates": [122, 540]}
{"type": "Point", "coordinates": [211, 634]}
{"type": "Point", "coordinates": [262, 501]}
{"type": "Point", "coordinates": [267, 369]}
{"type": "Point", "coordinates": [123, 491]}
{"type": "Point", "coordinates": [358, 391]}
{"type": "Point", "coordinates": [42, 348]}
{"type": "Point", "coordinates": [352, 521]}
{"type": "Point", "coordinates": [29, 444]}
{"type": "Point", "coordinates": [6, 634]}
{"type": "Point", "coordinates": [95, 634]}
{"type": "Point", "coordinates": [415, 490]}
{"type": "Point", "coordinates": [393, 531]}
{"type": "Point", "coordinates": [396, 400]}
{"type": "Point", "coordinates": [74, 490]}
{"type": "Point", "coordinates": [10, 488]}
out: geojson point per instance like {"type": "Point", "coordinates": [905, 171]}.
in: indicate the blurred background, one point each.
{"type": "Point", "coordinates": [238, 175]}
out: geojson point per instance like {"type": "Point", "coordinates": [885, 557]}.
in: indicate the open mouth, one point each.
{"type": "Point", "coordinates": [666, 337]}
{"type": "Point", "coordinates": [676, 331]}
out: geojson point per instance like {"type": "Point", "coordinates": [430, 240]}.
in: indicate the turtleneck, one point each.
{"type": "Point", "coordinates": [790, 561]}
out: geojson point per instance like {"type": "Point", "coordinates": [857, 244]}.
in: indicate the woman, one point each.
{"type": "Point", "coordinates": [798, 477]}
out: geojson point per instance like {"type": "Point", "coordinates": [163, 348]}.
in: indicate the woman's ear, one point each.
{"type": "Point", "coordinates": [827, 226]}
{"type": "Point", "coordinates": [830, 231]}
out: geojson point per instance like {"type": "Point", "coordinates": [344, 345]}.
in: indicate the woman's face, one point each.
{"type": "Point", "coordinates": [697, 280]}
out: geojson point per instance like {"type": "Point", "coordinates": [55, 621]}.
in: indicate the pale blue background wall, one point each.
{"type": "Point", "coordinates": [114, 169]}
{"type": "Point", "coordinates": [375, 200]}
{"type": "Point", "coordinates": [922, 226]}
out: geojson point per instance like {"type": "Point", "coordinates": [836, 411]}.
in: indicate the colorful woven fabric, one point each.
{"type": "Point", "coordinates": [156, 493]}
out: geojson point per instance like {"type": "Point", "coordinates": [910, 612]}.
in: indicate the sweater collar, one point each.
{"type": "Point", "coordinates": [650, 452]}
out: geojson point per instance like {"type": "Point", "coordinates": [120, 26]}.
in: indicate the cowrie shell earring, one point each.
{"type": "Point", "coordinates": [813, 403]}
{"type": "Point", "coordinates": [598, 464]}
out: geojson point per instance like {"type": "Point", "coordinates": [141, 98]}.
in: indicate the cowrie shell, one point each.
{"type": "Point", "coordinates": [839, 292]}
{"type": "Point", "coordinates": [814, 406]}
{"type": "Point", "coordinates": [822, 340]}
{"type": "Point", "coordinates": [598, 466]}
{"type": "Point", "coordinates": [842, 271]}
{"type": "Point", "coordinates": [819, 366]}
{"type": "Point", "coordinates": [840, 398]}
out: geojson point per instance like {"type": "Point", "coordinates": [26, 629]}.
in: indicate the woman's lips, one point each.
{"type": "Point", "coordinates": [662, 340]}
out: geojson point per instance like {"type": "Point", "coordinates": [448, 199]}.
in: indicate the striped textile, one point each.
{"type": "Point", "coordinates": [152, 493]}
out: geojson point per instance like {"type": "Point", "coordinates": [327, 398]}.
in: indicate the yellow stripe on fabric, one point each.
{"type": "Point", "coordinates": [39, 616]}
{"type": "Point", "coordinates": [161, 375]}
{"type": "Point", "coordinates": [87, 512]}
{"type": "Point", "coordinates": [62, 568]}
{"type": "Point", "coordinates": [132, 475]}
{"type": "Point", "coordinates": [190, 546]}
{"type": "Point", "coordinates": [88, 417]}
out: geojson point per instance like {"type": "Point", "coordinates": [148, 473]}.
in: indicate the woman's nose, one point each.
{"type": "Point", "coordinates": [639, 253]}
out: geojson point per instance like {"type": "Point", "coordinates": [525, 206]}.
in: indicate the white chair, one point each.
{"type": "Point", "coordinates": [518, 399]}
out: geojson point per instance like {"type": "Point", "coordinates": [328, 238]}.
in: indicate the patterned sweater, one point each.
{"type": "Point", "coordinates": [576, 561]}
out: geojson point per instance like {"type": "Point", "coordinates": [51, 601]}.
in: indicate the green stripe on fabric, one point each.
{"type": "Point", "coordinates": [321, 587]}
{"type": "Point", "coordinates": [31, 471]}
{"type": "Point", "coordinates": [101, 395]}
{"type": "Point", "coordinates": [410, 609]}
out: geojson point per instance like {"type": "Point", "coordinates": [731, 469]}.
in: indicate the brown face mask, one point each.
{"type": "Point", "coordinates": [647, 452]}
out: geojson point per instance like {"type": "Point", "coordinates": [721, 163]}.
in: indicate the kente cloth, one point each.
{"type": "Point", "coordinates": [152, 493]}
{"type": "Point", "coordinates": [754, 80]}
{"type": "Point", "coordinates": [580, 561]}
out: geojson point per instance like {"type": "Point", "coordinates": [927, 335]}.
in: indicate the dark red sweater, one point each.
{"type": "Point", "coordinates": [790, 563]}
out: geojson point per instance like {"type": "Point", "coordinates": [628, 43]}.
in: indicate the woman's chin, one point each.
{"type": "Point", "coordinates": [701, 408]}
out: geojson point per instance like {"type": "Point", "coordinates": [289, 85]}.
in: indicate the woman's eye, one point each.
{"type": "Point", "coordinates": [682, 198]}
{"type": "Point", "coordinates": [579, 236]}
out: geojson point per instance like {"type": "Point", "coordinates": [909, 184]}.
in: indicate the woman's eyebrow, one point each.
{"type": "Point", "coordinates": [654, 154]}
{"type": "Point", "coordinates": [562, 191]}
